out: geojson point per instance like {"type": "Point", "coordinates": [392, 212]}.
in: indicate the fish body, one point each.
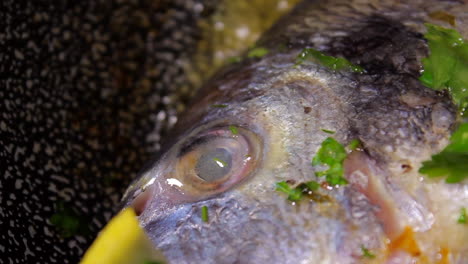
{"type": "Point", "coordinates": [281, 111]}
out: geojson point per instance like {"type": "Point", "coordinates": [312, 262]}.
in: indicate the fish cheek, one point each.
{"type": "Point", "coordinates": [239, 230]}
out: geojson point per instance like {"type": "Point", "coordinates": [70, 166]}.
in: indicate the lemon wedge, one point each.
{"type": "Point", "coordinates": [123, 241]}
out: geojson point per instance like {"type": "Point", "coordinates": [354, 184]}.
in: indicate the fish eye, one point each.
{"type": "Point", "coordinates": [214, 164]}
{"type": "Point", "coordinates": [217, 159]}
{"type": "Point", "coordinates": [208, 162]}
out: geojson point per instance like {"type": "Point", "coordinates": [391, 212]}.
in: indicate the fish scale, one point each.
{"type": "Point", "coordinates": [88, 89]}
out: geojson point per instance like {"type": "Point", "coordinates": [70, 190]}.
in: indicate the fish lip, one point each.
{"type": "Point", "coordinates": [141, 200]}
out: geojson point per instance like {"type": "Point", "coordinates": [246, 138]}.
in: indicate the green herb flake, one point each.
{"type": "Point", "coordinates": [367, 253]}
{"type": "Point", "coordinates": [462, 219]}
{"type": "Point", "coordinates": [257, 52]}
{"type": "Point", "coordinates": [234, 130]}
{"type": "Point", "coordinates": [328, 131]}
{"type": "Point", "coordinates": [334, 63]}
{"type": "Point", "coordinates": [303, 189]}
{"type": "Point", "coordinates": [451, 162]}
{"type": "Point", "coordinates": [447, 64]}
{"type": "Point", "coordinates": [294, 194]}
{"type": "Point", "coordinates": [312, 185]}
{"type": "Point", "coordinates": [354, 144]}
{"type": "Point", "coordinates": [68, 222]}
{"type": "Point", "coordinates": [219, 106]}
{"type": "Point", "coordinates": [221, 163]}
{"type": "Point", "coordinates": [331, 153]}
{"type": "Point", "coordinates": [204, 214]}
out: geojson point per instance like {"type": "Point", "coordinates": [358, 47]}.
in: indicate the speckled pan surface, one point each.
{"type": "Point", "coordinates": [83, 104]}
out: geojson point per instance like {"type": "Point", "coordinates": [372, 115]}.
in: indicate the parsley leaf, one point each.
{"type": "Point", "coordinates": [333, 63]}
{"type": "Point", "coordinates": [367, 253]}
{"type": "Point", "coordinates": [294, 194]}
{"type": "Point", "coordinates": [312, 185]}
{"type": "Point", "coordinates": [331, 153]}
{"type": "Point", "coordinates": [447, 65]}
{"type": "Point", "coordinates": [354, 144]}
{"type": "Point", "coordinates": [451, 162]}
{"type": "Point", "coordinates": [462, 219]}
{"type": "Point", "coordinates": [447, 68]}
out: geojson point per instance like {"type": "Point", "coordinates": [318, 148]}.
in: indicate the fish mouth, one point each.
{"type": "Point", "coordinates": [142, 199]}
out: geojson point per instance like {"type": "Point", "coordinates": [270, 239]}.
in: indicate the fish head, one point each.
{"type": "Point", "coordinates": [258, 126]}
{"type": "Point", "coordinates": [261, 122]}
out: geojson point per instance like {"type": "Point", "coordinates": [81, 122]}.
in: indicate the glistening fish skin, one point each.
{"type": "Point", "coordinates": [281, 109]}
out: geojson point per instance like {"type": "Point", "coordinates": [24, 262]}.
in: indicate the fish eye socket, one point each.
{"type": "Point", "coordinates": [217, 159]}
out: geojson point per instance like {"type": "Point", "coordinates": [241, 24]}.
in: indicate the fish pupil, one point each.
{"type": "Point", "coordinates": [214, 165]}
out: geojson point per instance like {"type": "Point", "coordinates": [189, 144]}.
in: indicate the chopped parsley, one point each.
{"type": "Point", "coordinates": [333, 63]}
{"type": "Point", "coordinates": [328, 131]}
{"type": "Point", "coordinates": [367, 253]}
{"type": "Point", "coordinates": [219, 105]}
{"type": "Point", "coordinates": [234, 130]}
{"type": "Point", "coordinates": [68, 222]}
{"type": "Point", "coordinates": [452, 161]}
{"type": "Point", "coordinates": [331, 153]}
{"type": "Point", "coordinates": [447, 64]}
{"type": "Point", "coordinates": [294, 194]}
{"type": "Point", "coordinates": [297, 193]}
{"type": "Point", "coordinates": [257, 52]}
{"type": "Point", "coordinates": [462, 219]}
{"type": "Point", "coordinates": [446, 68]}
{"type": "Point", "coordinates": [204, 214]}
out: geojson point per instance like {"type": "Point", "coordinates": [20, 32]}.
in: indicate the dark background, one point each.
{"type": "Point", "coordinates": [87, 89]}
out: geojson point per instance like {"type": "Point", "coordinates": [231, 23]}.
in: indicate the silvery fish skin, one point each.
{"type": "Point", "coordinates": [279, 110]}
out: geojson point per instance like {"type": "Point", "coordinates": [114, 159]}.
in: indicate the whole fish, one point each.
{"type": "Point", "coordinates": [211, 196]}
